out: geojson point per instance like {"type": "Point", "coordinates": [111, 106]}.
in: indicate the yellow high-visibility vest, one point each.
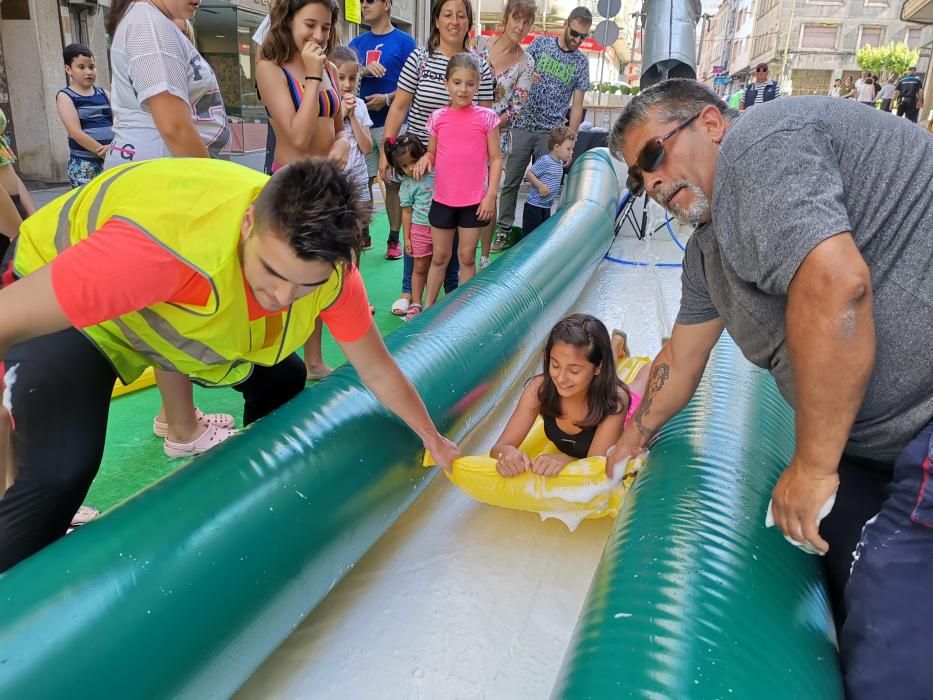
{"type": "Point", "coordinates": [194, 208]}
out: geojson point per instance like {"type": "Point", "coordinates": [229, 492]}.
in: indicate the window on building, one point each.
{"type": "Point", "coordinates": [765, 6]}
{"type": "Point", "coordinates": [78, 17]}
{"type": "Point", "coordinates": [913, 37]}
{"type": "Point", "coordinates": [820, 37]}
{"type": "Point", "coordinates": [869, 36]}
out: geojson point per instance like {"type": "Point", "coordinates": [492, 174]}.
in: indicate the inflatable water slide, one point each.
{"type": "Point", "coordinates": [313, 556]}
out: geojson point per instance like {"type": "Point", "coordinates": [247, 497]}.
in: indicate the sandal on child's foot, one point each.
{"type": "Point", "coordinates": [400, 306]}
{"type": "Point", "coordinates": [413, 310]}
{"type": "Point", "coordinates": [211, 437]}
{"type": "Point", "coordinates": [221, 420]}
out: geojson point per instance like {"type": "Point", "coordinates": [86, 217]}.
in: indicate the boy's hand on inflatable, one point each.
{"type": "Point", "coordinates": [550, 465]}
{"type": "Point", "coordinates": [444, 451]}
{"type": "Point", "coordinates": [512, 462]}
{"type": "Point", "coordinates": [797, 500]}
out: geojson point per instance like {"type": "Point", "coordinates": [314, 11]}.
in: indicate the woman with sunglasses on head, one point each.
{"type": "Point", "coordinates": [513, 68]}
{"type": "Point", "coordinates": [299, 88]}
{"type": "Point", "coordinates": [422, 89]}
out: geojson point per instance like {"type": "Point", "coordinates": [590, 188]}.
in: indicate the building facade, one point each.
{"type": "Point", "coordinates": [810, 43]}
{"type": "Point", "coordinates": [806, 43]}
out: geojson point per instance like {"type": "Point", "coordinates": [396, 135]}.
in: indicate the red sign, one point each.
{"type": "Point", "coordinates": [589, 44]}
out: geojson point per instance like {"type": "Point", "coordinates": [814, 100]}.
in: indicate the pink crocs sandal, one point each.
{"type": "Point", "coordinates": [220, 420]}
{"type": "Point", "coordinates": [211, 437]}
{"type": "Point", "coordinates": [413, 310]}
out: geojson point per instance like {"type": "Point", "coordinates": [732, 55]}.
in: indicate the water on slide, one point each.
{"type": "Point", "coordinates": [464, 600]}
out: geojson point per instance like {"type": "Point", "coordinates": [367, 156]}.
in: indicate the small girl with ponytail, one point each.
{"type": "Point", "coordinates": [415, 197]}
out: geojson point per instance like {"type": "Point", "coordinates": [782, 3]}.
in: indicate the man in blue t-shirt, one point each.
{"type": "Point", "coordinates": [562, 76]}
{"type": "Point", "coordinates": [382, 52]}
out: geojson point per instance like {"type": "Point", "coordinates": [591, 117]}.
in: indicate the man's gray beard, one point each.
{"type": "Point", "coordinates": [694, 215]}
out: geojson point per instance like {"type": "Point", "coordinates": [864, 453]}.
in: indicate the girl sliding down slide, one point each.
{"type": "Point", "coordinates": [583, 403]}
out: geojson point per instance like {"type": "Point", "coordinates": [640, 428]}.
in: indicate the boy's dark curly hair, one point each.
{"type": "Point", "coordinates": [312, 204]}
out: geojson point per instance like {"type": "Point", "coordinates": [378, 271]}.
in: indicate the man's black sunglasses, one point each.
{"type": "Point", "coordinates": [578, 35]}
{"type": "Point", "coordinates": [650, 158]}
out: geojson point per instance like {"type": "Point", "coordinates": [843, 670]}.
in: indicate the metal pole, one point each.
{"type": "Point", "coordinates": [790, 25]}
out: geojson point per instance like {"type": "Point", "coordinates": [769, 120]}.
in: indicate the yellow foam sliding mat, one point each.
{"type": "Point", "coordinates": [580, 491]}
{"type": "Point", "coordinates": [146, 380]}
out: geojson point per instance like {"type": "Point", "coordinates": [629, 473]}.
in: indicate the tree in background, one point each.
{"type": "Point", "coordinates": [887, 62]}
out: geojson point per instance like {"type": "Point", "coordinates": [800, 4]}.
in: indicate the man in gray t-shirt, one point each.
{"type": "Point", "coordinates": [814, 250]}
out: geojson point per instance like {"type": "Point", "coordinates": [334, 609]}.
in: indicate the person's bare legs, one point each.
{"type": "Point", "coordinates": [443, 241]}
{"type": "Point", "coordinates": [467, 253]}
{"type": "Point", "coordinates": [419, 278]}
{"type": "Point", "coordinates": [178, 407]}
{"type": "Point", "coordinates": [314, 356]}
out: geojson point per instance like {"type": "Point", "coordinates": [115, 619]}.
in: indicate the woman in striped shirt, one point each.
{"type": "Point", "coordinates": [422, 88]}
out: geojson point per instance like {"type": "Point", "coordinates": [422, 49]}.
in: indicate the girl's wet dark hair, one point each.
{"type": "Point", "coordinates": [602, 398]}
{"type": "Point", "coordinates": [406, 144]}
{"type": "Point", "coordinates": [463, 60]}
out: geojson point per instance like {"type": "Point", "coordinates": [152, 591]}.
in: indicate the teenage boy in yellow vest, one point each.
{"type": "Point", "coordinates": [197, 266]}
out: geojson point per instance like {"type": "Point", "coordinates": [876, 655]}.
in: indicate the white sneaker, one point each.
{"type": "Point", "coordinates": [483, 262]}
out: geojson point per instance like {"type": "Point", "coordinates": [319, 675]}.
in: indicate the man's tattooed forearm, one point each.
{"type": "Point", "coordinates": [659, 374]}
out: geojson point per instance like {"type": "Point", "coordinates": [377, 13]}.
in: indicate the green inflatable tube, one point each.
{"type": "Point", "coordinates": [693, 597]}
{"type": "Point", "coordinates": [185, 589]}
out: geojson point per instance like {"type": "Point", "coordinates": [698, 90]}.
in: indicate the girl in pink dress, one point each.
{"type": "Point", "coordinates": [464, 153]}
